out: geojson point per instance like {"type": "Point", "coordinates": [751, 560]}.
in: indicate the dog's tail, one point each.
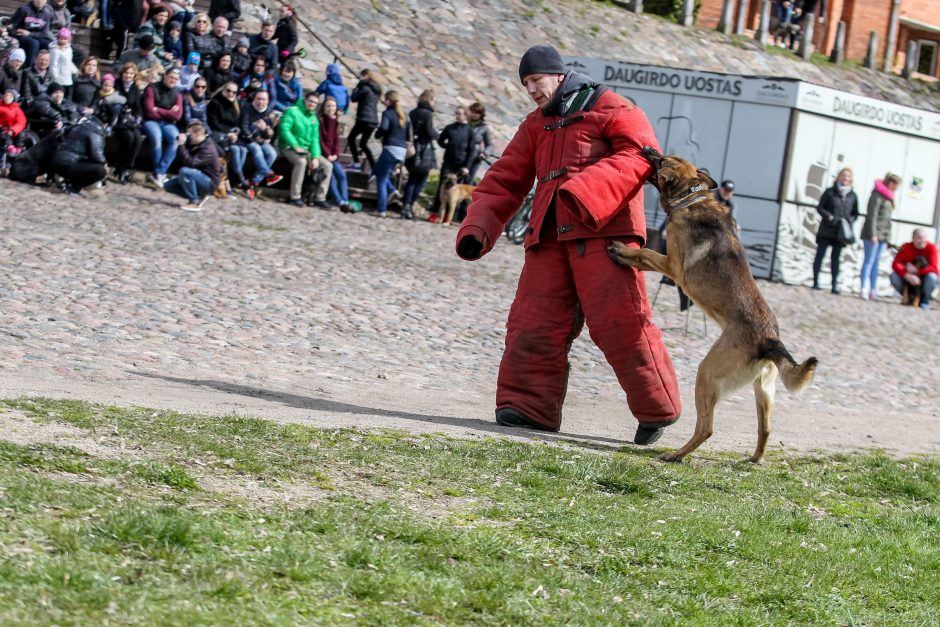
{"type": "Point", "coordinates": [795, 376]}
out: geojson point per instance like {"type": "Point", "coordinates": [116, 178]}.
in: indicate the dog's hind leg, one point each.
{"type": "Point", "coordinates": [706, 397]}
{"type": "Point", "coordinates": [765, 386]}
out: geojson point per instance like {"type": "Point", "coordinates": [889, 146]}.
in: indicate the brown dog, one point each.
{"type": "Point", "coordinates": [452, 194]}
{"type": "Point", "coordinates": [707, 261]}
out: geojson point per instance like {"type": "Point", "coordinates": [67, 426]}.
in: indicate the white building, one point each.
{"type": "Point", "coordinates": [782, 141]}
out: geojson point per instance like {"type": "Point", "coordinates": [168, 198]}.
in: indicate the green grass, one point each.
{"type": "Point", "coordinates": [389, 528]}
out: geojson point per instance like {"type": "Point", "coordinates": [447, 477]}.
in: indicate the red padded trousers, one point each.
{"type": "Point", "coordinates": [563, 286]}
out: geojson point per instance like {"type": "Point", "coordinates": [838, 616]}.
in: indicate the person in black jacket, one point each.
{"type": "Point", "coordinates": [127, 16]}
{"type": "Point", "coordinates": [11, 72]}
{"type": "Point", "coordinates": [86, 85]}
{"type": "Point", "coordinates": [224, 115]}
{"type": "Point", "coordinates": [837, 203]}
{"type": "Point", "coordinates": [37, 78]}
{"type": "Point", "coordinates": [423, 161]}
{"type": "Point", "coordinates": [127, 127]}
{"type": "Point", "coordinates": [201, 168]}
{"type": "Point", "coordinates": [476, 115]}
{"type": "Point", "coordinates": [51, 111]}
{"type": "Point", "coordinates": [262, 45]}
{"type": "Point", "coordinates": [79, 160]}
{"type": "Point", "coordinates": [285, 32]}
{"type": "Point", "coordinates": [31, 24]}
{"type": "Point", "coordinates": [229, 9]}
{"type": "Point", "coordinates": [366, 94]}
{"type": "Point", "coordinates": [459, 144]}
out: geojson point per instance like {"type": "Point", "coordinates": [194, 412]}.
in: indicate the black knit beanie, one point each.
{"type": "Point", "coordinates": [541, 60]}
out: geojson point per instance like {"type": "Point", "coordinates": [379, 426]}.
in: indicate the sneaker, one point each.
{"type": "Point", "coordinates": [252, 191]}
{"type": "Point", "coordinates": [297, 202]}
{"type": "Point", "coordinates": [864, 294]}
{"type": "Point", "coordinates": [354, 167]}
{"type": "Point", "coordinates": [371, 179]}
{"type": "Point", "coordinates": [273, 179]}
{"type": "Point", "coordinates": [647, 435]}
{"type": "Point", "coordinates": [925, 305]}
{"type": "Point", "coordinates": [345, 208]}
{"type": "Point", "coordinates": [158, 179]}
{"type": "Point", "coordinates": [321, 204]}
{"type": "Point", "coordinates": [123, 177]}
{"type": "Point", "coordinates": [193, 205]}
{"type": "Point", "coordinates": [379, 214]}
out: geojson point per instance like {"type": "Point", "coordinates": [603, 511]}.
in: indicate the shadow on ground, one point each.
{"type": "Point", "coordinates": [325, 405]}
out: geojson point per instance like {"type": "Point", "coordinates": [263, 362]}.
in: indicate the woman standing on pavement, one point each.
{"type": "Point", "coordinates": [394, 131]}
{"type": "Point", "coordinates": [837, 203]}
{"type": "Point", "coordinates": [876, 231]}
{"type": "Point", "coordinates": [423, 161]}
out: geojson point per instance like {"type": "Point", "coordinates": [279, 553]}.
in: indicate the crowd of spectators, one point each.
{"type": "Point", "coordinates": [219, 108]}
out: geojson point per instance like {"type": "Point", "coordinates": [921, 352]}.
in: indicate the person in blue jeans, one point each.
{"type": "Point", "coordinates": [394, 131]}
{"type": "Point", "coordinates": [877, 231]}
{"type": "Point", "coordinates": [162, 107]}
{"type": "Point", "coordinates": [329, 150]}
{"type": "Point", "coordinates": [257, 131]}
{"type": "Point", "coordinates": [201, 168]}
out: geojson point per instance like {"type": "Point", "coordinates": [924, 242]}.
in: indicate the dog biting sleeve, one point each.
{"type": "Point", "coordinates": [603, 189]}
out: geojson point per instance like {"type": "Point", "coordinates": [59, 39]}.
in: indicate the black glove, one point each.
{"type": "Point", "coordinates": [470, 248]}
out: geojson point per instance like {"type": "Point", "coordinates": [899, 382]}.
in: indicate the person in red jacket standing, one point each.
{"type": "Point", "coordinates": [583, 144]}
{"type": "Point", "coordinates": [916, 264]}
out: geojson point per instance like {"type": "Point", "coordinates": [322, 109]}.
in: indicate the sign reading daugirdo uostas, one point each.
{"type": "Point", "coordinates": [782, 92]}
{"type": "Point", "coordinates": [772, 91]}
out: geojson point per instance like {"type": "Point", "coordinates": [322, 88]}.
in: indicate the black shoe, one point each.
{"type": "Point", "coordinates": [321, 204]}
{"type": "Point", "coordinates": [647, 435]}
{"type": "Point", "coordinates": [508, 417]}
{"type": "Point", "coordinates": [816, 286]}
{"type": "Point", "coordinates": [123, 177]}
{"type": "Point", "coordinates": [297, 202]}
{"type": "Point", "coordinates": [836, 291]}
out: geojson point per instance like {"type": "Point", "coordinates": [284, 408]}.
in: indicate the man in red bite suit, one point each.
{"type": "Point", "coordinates": [583, 144]}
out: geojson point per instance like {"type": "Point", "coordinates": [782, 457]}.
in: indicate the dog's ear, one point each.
{"type": "Point", "coordinates": [707, 178]}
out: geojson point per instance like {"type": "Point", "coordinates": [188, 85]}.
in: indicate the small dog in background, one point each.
{"type": "Point", "coordinates": [221, 190]}
{"type": "Point", "coordinates": [911, 294]}
{"type": "Point", "coordinates": [452, 194]}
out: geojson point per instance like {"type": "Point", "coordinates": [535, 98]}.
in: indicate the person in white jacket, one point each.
{"type": "Point", "coordinates": [61, 66]}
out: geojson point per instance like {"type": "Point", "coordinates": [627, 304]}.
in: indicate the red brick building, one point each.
{"type": "Point", "coordinates": [918, 21]}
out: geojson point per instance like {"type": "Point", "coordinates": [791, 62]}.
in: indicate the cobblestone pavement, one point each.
{"type": "Point", "coordinates": [301, 314]}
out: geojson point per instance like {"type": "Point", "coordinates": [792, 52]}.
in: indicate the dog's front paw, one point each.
{"type": "Point", "coordinates": [671, 457]}
{"type": "Point", "coordinates": [622, 255]}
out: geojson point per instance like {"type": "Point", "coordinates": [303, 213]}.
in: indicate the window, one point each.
{"type": "Point", "coordinates": [927, 57]}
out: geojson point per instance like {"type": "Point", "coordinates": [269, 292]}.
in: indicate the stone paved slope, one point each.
{"type": "Point", "coordinates": [337, 320]}
{"type": "Point", "coordinates": [469, 49]}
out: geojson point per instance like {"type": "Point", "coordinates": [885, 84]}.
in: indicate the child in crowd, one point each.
{"type": "Point", "coordinates": [61, 66]}
{"type": "Point", "coordinates": [172, 51]}
{"type": "Point", "coordinates": [241, 60]}
{"type": "Point", "coordinates": [333, 86]}
{"type": "Point", "coordinates": [12, 125]}
{"type": "Point", "coordinates": [110, 102]}
{"type": "Point", "coordinates": [190, 72]}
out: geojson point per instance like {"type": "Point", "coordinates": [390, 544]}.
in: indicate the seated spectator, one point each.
{"type": "Point", "coordinates": [79, 160]}
{"type": "Point", "coordinates": [257, 132]}
{"type": "Point", "coordinates": [86, 86]}
{"type": "Point", "coordinates": [190, 72]}
{"type": "Point", "coordinates": [224, 115]}
{"type": "Point", "coordinates": [61, 64]}
{"type": "Point", "coordinates": [262, 44]}
{"type": "Point", "coordinates": [329, 156]}
{"type": "Point", "coordinates": [288, 90]}
{"type": "Point", "coordinates": [51, 111]}
{"type": "Point", "coordinates": [241, 60]}
{"type": "Point", "coordinates": [61, 16]}
{"type": "Point", "coordinates": [84, 11]}
{"type": "Point", "coordinates": [127, 128]}
{"type": "Point", "coordinates": [172, 52]}
{"type": "Point", "coordinates": [916, 265]}
{"type": "Point", "coordinates": [286, 32]}
{"type": "Point", "coordinates": [155, 26]}
{"type": "Point", "coordinates": [299, 138]}
{"type": "Point", "coordinates": [31, 24]}
{"type": "Point", "coordinates": [221, 42]}
{"type": "Point", "coordinates": [220, 73]}
{"type": "Point", "coordinates": [12, 124]}
{"type": "Point", "coordinates": [162, 108]}
{"type": "Point", "coordinates": [333, 86]}
{"type": "Point", "coordinates": [126, 19]}
{"type": "Point", "coordinates": [195, 103]}
{"type": "Point", "coordinates": [257, 78]}
{"type": "Point", "coordinates": [199, 38]}
{"type": "Point", "coordinates": [200, 170]}
{"type": "Point", "coordinates": [182, 11]}
{"type": "Point", "coordinates": [11, 74]}
{"type": "Point", "coordinates": [110, 103]}
{"type": "Point", "coordinates": [229, 9]}
{"type": "Point", "coordinates": [36, 79]}
{"type": "Point", "coordinates": [143, 56]}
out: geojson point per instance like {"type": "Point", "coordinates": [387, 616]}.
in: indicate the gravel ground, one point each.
{"type": "Point", "coordinates": [305, 315]}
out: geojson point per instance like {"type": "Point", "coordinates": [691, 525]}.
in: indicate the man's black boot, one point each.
{"type": "Point", "coordinates": [509, 417]}
{"type": "Point", "coordinates": [647, 435]}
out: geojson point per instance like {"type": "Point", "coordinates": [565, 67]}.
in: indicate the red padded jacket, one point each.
{"type": "Point", "coordinates": [589, 162]}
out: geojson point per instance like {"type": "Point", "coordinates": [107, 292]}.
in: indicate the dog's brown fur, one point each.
{"type": "Point", "coordinates": [706, 259]}
{"type": "Point", "coordinates": [452, 194]}
{"type": "Point", "coordinates": [221, 190]}
{"type": "Point", "coordinates": [911, 294]}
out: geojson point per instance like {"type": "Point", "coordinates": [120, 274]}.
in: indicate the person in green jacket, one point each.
{"type": "Point", "coordinates": [300, 144]}
{"type": "Point", "coordinates": [877, 231]}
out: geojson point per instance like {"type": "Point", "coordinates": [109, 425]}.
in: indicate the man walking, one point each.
{"type": "Point", "coordinates": [584, 145]}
